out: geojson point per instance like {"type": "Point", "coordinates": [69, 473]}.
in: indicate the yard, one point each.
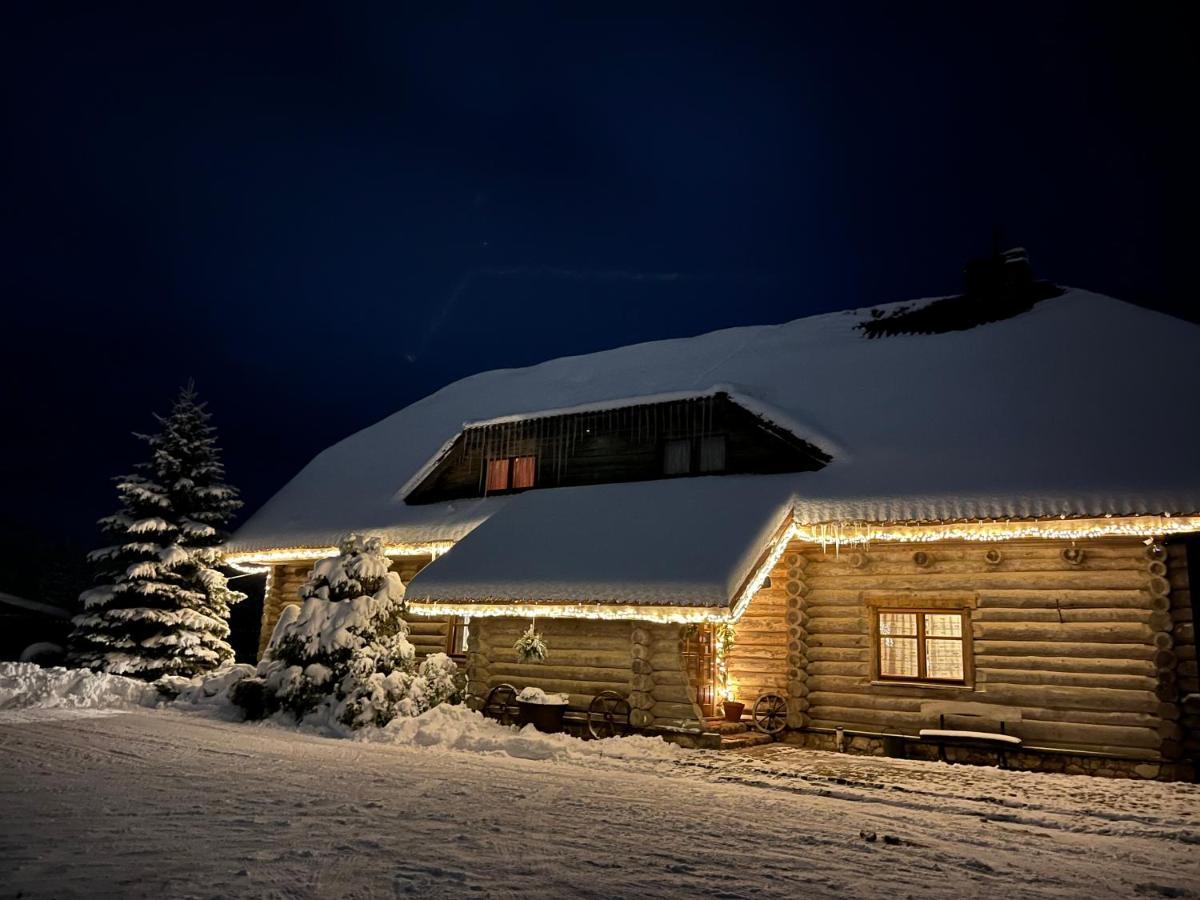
{"type": "Point", "coordinates": [163, 802]}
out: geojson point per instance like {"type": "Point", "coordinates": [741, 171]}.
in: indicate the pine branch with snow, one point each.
{"type": "Point", "coordinates": [343, 657]}
{"type": "Point", "coordinates": [162, 604]}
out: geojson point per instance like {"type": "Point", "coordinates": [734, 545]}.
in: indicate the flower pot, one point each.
{"type": "Point", "coordinates": [547, 717]}
{"type": "Point", "coordinates": [734, 710]}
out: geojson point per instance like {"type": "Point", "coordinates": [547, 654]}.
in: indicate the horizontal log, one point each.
{"type": "Point", "coordinates": [836, 640]}
{"type": "Point", "coordinates": [991, 580]}
{"type": "Point", "coordinates": [1063, 698]}
{"type": "Point", "coordinates": [759, 639]}
{"type": "Point", "coordinates": [1008, 563]}
{"type": "Point", "coordinates": [417, 626]}
{"type": "Point", "coordinates": [824, 653]}
{"type": "Point", "coordinates": [837, 626]}
{"type": "Point", "coordinates": [1062, 648]}
{"type": "Point", "coordinates": [556, 669]}
{"type": "Point", "coordinates": [1098, 665]}
{"type": "Point", "coordinates": [1115, 736]}
{"type": "Point", "coordinates": [1030, 548]}
{"type": "Point", "coordinates": [861, 719]}
{"type": "Point", "coordinates": [1092, 717]}
{"type": "Point", "coordinates": [778, 651]}
{"type": "Point", "coordinates": [821, 697]}
{"type": "Point", "coordinates": [671, 693]}
{"type": "Point", "coordinates": [1067, 679]}
{"type": "Point", "coordinates": [1030, 597]}
{"type": "Point", "coordinates": [664, 709]}
{"type": "Point", "coordinates": [494, 640]}
{"type": "Point", "coordinates": [1052, 615]}
{"type": "Point", "coordinates": [1075, 632]}
{"type": "Point", "coordinates": [858, 668]}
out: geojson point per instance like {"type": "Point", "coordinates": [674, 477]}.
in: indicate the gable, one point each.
{"type": "Point", "coordinates": [707, 434]}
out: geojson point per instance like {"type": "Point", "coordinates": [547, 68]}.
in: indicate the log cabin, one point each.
{"type": "Point", "coordinates": [961, 515]}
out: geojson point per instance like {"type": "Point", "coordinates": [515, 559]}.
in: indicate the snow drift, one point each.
{"type": "Point", "coordinates": [459, 728]}
{"type": "Point", "coordinates": [27, 685]}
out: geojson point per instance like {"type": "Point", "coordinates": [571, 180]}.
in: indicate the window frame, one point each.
{"type": "Point", "coordinates": [695, 447]}
{"type": "Point", "coordinates": [921, 604]}
{"type": "Point", "coordinates": [457, 635]}
{"type": "Point", "coordinates": [509, 472]}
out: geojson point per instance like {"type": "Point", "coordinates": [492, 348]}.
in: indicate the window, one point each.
{"type": "Point", "coordinates": [497, 474]}
{"type": "Point", "coordinates": [921, 645]}
{"type": "Point", "coordinates": [456, 637]}
{"type": "Point", "coordinates": [712, 453]}
{"type": "Point", "coordinates": [523, 468]}
{"type": "Point", "coordinates": [514, 473]}
{"type": "Point", "coordinates": [677, 458]}
{"type": "Point", "coordinates": [709, 452]}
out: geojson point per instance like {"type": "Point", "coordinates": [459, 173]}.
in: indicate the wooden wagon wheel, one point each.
{"type": "Point", "coordinates": [770, 714]}
{"type": "Point", "coordinates": [608, 715]}
{"type": "Point", "coordinates": [501, 704]}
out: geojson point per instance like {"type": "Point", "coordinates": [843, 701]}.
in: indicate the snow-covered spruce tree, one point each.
{"type": "Point", "coordinates": [162, 605]}
{"type": "Point", "coordinates": [343, 657]}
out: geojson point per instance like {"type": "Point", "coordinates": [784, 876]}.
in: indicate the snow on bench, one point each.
{"type": "Point", "coordinates": [942, 735]}
{"type": "Point", "coordinates": [933, 734]}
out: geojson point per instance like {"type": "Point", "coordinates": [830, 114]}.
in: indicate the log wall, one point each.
{"type": "Point", "coordinates": [1088, 647]}
{"type": "Point", "coordinates": [639, 660]}
{"type": "Point", "coordinates": [287, 578]}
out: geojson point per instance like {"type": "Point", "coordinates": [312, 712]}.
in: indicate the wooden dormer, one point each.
{"type": "Point", "coordinates": [678, 438]}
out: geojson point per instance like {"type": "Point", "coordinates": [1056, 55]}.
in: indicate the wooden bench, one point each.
{"type": "Point", "coordinates": [942, 736]}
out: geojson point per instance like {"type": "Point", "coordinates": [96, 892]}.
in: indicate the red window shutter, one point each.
{"type": "Point", "coordinates": [497, 475]}
{"type": "Point", "coordinates": [523, 471]}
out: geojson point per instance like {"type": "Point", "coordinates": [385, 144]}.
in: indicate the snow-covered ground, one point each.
{"type": "Point", "coordinates": [177, 802]}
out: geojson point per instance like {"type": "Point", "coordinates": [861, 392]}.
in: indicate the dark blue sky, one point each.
{"type": "Point", "coordinates": [324, 212]}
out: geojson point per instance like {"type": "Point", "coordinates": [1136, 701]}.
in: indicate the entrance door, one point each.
{"type": "Point", "coordinates": [700, 658]}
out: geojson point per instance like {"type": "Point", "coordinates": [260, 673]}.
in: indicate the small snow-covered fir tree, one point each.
{"type": "Point", "coordinates": [162, 605]}
{"type": "Point", "coordinates": [343, 657]}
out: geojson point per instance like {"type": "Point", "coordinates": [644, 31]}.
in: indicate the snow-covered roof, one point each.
{"type": "Point", "coordinates": [689, 542]}
{"type": "Point", "coordinates": [1079, 407]}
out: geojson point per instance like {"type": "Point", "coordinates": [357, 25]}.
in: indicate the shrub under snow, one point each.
{"type": "Point", "coordinates": [343, 657]}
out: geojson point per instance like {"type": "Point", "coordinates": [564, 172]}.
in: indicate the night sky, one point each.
{"type": "Point", "coordinates": [324, 212]}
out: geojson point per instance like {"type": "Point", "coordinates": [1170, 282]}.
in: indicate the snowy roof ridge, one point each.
{"type": "Point", "coordinates": [1043, 413]}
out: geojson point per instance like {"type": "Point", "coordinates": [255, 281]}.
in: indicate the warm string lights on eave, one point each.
{"type": "Point", "coordinates": [519, 609]}
{"type": "Point", "coordinates": [840, 534]}
{"type": "Point", "coordinates": [259, 561]}
{"type": "Point", "coordinates": [831, 537]}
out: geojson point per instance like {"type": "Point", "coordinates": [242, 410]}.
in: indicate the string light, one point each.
{"type": "Point", "coordinates": [254, 560]}
{"type": "Point", "coordinates": [835, 534]}
{"type": "Point", "coordinates": [523, 609]}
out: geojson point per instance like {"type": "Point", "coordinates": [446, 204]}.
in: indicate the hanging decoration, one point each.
{"type": "Point", "coordinates": [530, 647]}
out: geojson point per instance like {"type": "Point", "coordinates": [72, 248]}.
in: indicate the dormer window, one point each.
{"type": "Point", "coordinates": [712, 453]}
{"type": "Point", "coordinates": [512, 473]}
{"type": "Point", "coordinates": [677, 457]}
{"type": "Point", "coordinates": [710, 434]}
{"type": "Point", "coordinates": [689, 457]}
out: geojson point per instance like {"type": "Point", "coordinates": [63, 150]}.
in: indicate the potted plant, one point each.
{"type": "Point", "coordinates": [541, 710]}
{"type": "Point", "coordinates": [733, 710]}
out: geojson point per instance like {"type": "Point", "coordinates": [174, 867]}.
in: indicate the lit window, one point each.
{"type": "Point", "coordinates": [512, 473]}
{"type": "Point", "coordinates": [921, 645]}
{"type": "Point", "coordinates": [712, 453]}
{"type": "Point", "coordinates": [456, 638]}
{"type": "Point", "coordinates": [677, 457]}
{"type": "Point", "coordinates": [523, 469]}
{"type": "Point", "coordinates": [497, 474]}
